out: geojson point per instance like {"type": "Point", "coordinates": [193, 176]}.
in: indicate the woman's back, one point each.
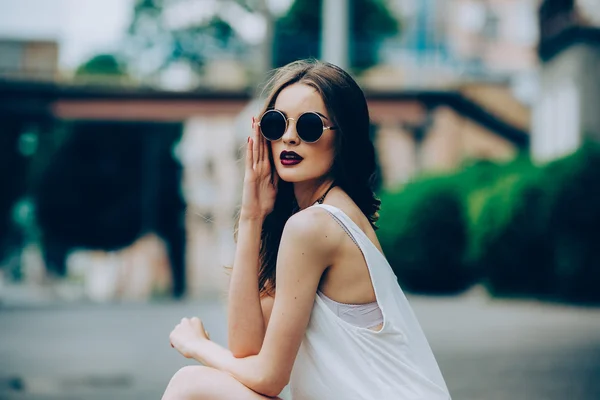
{"type": "Point", "coordinates": [348, 280]}
{"type": "Point", "coordinates": [340, 360]}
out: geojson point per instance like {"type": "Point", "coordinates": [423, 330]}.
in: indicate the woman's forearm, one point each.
{"type": "Point", "coordinates": [253, 371]}
{"type": "Point", "coordinates": [245, 317]}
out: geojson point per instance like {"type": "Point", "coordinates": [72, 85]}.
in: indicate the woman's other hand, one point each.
{"type": "Point", "coordinates": [187, 335]}
{"type": "Point", "coordinates": [260, 179]}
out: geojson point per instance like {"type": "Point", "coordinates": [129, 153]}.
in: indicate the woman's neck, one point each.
{"type": "Point", "coordinates": [307, 193]}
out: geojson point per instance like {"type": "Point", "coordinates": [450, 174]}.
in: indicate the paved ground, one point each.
{"type": "Point", "coordinates": [487, 350]}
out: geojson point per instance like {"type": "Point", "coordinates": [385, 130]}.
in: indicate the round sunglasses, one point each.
{"type": "Point", "coordinates": [309, 125]}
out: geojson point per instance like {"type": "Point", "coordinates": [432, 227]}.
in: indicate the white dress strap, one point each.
{"type": "Point", "coordinates": [376, 263]}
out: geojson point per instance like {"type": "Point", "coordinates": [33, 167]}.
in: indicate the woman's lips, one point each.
{"type": "Point", "coordinates": [292, 161]}
{"type": "Point", "coordinates": [289, 158]}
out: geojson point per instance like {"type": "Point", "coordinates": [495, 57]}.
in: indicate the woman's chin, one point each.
{"type": "Point", "coordinates": [292, 176]}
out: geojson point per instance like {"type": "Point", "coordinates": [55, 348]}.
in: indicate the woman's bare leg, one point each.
{"type": "Point", "coordinates": [203, 383]}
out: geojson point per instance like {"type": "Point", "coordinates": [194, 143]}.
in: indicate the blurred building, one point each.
{"type": "Point", "coordinates": [450, 90]}
{"type": "Point", "coordinates": [449, 41]}
{"type": "Point", "coordinates": [472, 68]}
{"type": "Point", "coordinates": [438, 131]}
{"type": "Point", "coordinates": [208, 152]}
{"type": "Point", "coordinates": [414, 131]}
{"type": "Point", "coordinates": [493, 36]}
{"type": "Point", "coordinates": [28, 59]}
{"type": "Point", "coordinates": [566, 111]}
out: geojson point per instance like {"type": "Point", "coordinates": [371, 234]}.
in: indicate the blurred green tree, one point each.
{"type": "Point", "coordinates": [102, 64]}
{"type": "Point", "coordinates": [103, 69]}
{"type": "Point", "coordinates": [298, 33]}
{"type": "Point", "coordinates": [522, 229]}
{"type": "Point", "coordinates": [108, 184]}
{"type": "Point", "coordinates": [160, 34]}
{"type": "Point", "coordinates": [25, 142]}
{"type": "Point", "coordinates": [423, 234]}
{"type": "Point", "coordinates": [571, 199]}
{"type": "Point", "coordinates": [13, 167]}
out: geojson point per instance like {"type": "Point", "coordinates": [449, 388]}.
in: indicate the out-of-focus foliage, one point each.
{"type": "Point", "coordinates": [162, 35]}
{"type": "Point", "coordinates": [298, 33]}
{"type": "Point", "coordinates": [108, 175]}
{"type": "Point", "coordinates": [152, 39]}
{"type": "Point", "coordinates": [524, 230]}
{"type": "Point", "coordinates": [103, 69]}
{"type": "Point", "coordinates": [573, 204]}
{"type": "Point", "coordinates": [12, 176]}
{"type": "Point", "coordinates": [93, 185]}
{"type": "Point", "coordinates": [96, 182]}
{"type": "Point", "coordinates": [507, 230]}
{"type": "Point", "coordinates": [423, 235]}
{"type": "Point", "coordinates": [102, 64]}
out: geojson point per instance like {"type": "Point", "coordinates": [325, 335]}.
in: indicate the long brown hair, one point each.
{"type": "Point", "coordinates": [353, 168]}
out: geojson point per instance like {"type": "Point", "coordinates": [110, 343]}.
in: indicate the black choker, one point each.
{"type": "Point", "coordinates": [322, 198]}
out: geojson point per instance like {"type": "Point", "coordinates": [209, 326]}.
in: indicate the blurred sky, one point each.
{"type": "Point", "coordinates": [83, 28]}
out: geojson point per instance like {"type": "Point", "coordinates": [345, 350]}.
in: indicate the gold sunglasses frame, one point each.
{"type": "Point", "coordinates": [287, 119]}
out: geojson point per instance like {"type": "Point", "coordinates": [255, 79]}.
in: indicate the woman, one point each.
{"type": "Point", "coordinates": [312, 301]}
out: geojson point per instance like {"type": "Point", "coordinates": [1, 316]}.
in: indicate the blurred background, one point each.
{"type": "Point", "coordinates": [122, 124]}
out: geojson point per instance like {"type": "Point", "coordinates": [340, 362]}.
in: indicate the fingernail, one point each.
{"type": "Point", "coordinates": [248, 139]}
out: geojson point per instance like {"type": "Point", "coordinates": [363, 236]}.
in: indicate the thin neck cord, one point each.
{"type": "Point", "coordinates": [322, 198]}
{"type": "Point", "coordinates": [319, 200]}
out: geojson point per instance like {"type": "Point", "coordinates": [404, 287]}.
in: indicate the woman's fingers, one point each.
{"type": "Point", "coordinates": [255, 144]}
{"type": "Point", "coordinates": [257, 154]}
{"type": "Point", "coordinates": [261, 143]}
{"type": "Point", "coordinates": [197, 323]}
{"type": "Point", "coordinates": [249, 160]}
{"type": "Point", "coordinates": [266, 157]}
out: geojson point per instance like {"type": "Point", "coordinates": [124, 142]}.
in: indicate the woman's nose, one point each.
{"type": "Point", "coordinates": [290, 136]}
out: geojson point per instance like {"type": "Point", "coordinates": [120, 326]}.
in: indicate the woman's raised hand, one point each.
{"type": "Point", "coordinates": [260, 179]}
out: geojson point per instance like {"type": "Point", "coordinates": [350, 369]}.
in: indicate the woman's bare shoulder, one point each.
{"type": "Point", "coordinates": [314, 228]}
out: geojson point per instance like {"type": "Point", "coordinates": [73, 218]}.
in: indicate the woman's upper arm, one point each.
{"type": "Point", "coordinates": [307, 248]}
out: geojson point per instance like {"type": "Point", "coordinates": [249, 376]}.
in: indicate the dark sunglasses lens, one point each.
{"type": "Point", "coordinates": [272, 125]}
{"type": "Point", "coordinates": [310, 127]}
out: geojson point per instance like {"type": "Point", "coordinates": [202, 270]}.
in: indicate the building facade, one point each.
{"type": "Point", "coordinates": [565, 113]}
{"type": "Point", "coordinates": [28, 59]}
{"type": "Point", "coordinates": [448, 41]}
{"type": "Point", "coordinates": [414, 132]}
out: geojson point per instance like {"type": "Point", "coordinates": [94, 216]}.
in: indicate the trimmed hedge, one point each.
{"type": "Point", "coordinates": [423, 235]}
{"type": "Point", "coordinates": [524, 230]}
{"type": "Point", "coordinates": [573, 207]}
{"type": "Point", "coordinates": [508, 242]}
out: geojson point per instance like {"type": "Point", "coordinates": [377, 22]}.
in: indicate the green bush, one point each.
{"type": "Point", "coordinates": [573, 205]}
{"type": "Point", "coordinates": [533, 231]}
{"type": "Point", "coordinates": [422, 232]}
{"type": "Point", "coordinates": [508, 236]}
{"type": "Point", "coordinates": [525, 230]}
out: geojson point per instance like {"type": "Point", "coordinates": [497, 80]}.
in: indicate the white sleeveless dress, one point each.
{"type": "Point", "coordinates": [339, 361]}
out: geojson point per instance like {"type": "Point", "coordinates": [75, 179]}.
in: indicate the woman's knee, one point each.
{"type": "Point", "coordinates": [191, 382]}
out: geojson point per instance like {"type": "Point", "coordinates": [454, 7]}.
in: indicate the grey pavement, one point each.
{"type": "Point", "coordinates": [487, 349]}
